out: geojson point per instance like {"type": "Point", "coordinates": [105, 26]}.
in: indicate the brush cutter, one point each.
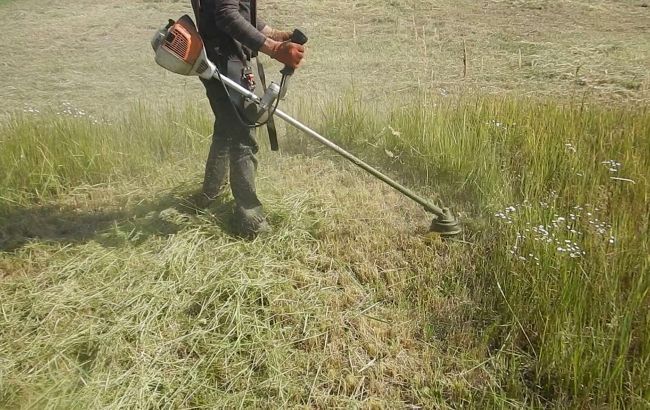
{"type": "Point", "coordinates": [180, 49]}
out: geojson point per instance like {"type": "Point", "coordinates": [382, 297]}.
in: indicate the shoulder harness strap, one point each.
{"type": "Point", "coordinates": [196, 6]}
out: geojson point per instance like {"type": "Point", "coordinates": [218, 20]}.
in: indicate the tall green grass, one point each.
{"type": "Point", "coordinates": [556, 196]}
{"type": "Point", "coordinates": [47, 154]}
{"type": "Point", "coordinates": [560, 233]}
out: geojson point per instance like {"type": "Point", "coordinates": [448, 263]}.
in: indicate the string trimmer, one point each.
{"type": "Point", "coordinates": [180, 49]}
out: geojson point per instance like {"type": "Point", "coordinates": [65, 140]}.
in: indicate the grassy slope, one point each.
{"type": "Point", "coordinates": [350, 310]}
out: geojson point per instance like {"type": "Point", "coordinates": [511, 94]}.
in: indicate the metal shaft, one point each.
{"type": "Point", "coordinates": [358, 162]}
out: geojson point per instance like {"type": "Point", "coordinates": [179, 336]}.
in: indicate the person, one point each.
{"type": "Point", "coordinates": [233, 35]}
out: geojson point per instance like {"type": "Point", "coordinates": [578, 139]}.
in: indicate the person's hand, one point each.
{"type": "Point", "coordinates": [288, 53]}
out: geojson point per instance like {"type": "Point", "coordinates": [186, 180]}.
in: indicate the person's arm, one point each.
{"type": "Point", "coordinates": [274, 34]}
{"type": "Point", "coordinates": [228, 18]}
{"type": "Point", "coordinates": [261, 25]}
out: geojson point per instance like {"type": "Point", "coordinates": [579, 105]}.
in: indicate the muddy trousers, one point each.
{"type": "Point", "coordinates": [233, 144]}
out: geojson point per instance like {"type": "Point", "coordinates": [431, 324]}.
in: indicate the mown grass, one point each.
{"type": "Point", "coordinates": [554, 264]}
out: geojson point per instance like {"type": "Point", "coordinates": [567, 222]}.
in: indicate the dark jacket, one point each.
{"type": "Point", "coordinates": [226, 24]}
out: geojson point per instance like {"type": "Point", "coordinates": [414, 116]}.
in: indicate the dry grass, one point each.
{"type": "Point", "coordinates": [158, 306]}
{"type": "Point", "coordinates": [97, 55]}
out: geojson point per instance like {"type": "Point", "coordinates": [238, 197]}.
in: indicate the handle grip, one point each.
{"type": "Point", "coordinates": [297, 37]}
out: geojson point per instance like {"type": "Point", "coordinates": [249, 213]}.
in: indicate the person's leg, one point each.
{"type": "Point", "coordinates": [233, 137]}
{"type": "Point", "coordinates": [248, 210]}
{"type": "Point", "coordinates": [243, 167]}
{"type": "Point", "coordinates": [216, 167]}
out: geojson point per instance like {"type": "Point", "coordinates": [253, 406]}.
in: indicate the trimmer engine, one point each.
{"type": "Point", "coordinates": [179, 49]}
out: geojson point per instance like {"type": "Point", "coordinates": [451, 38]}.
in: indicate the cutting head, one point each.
{"type": "Point", "coordinates": [179, 49]}
{"type": "Point", "coordinates": [446, 224]}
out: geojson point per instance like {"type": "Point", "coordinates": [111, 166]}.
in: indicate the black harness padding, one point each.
{"type": "Point", "coordinates": [270, 125]}
{"type": "Point", "coordinates": [254, 20]}
{"type": "Point", "coordinates": [214, 34]}
{"type": "Point", "coordinates": [196, 6]}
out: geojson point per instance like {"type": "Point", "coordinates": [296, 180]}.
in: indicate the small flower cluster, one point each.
{"type": "Point", "coordinates": [514, 251]}
{"type": "Point", "coordinates": [506, 214]}
{"type": "Point", "coordinates": [614, 166]}
{"type": "Point", "coordinates": [602, 229]}
{"type": "Point", "coordinates": [70, 110]}
{"type": "Point", "coordinates": [541, 233]}
{"type": "Point", "coordinates": [30, 110]}
{"type": "Point", "coordinates": [553, 233]}
{"type": "Point", "coordinates": [562, 234]}
{"type": "Point", "coordinates": [572, 248]}
{"type": "Point", "coordinates": [499, 124]}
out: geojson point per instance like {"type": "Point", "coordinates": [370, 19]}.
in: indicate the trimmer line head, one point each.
{"type": "Point", "coordinates": [446, 225]}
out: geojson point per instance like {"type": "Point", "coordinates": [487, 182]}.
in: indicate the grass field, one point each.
{"type": "Point", "coordinates": [115, 292]}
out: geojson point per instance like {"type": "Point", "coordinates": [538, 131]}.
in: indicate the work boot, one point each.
{"type": "Point", "coordinates": [249, 213]}
{"type": "Point", "coordinates": [251, 222]}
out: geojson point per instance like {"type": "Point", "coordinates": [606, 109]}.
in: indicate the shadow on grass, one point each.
{"type": "Point", "coordinates": [163, 216]}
